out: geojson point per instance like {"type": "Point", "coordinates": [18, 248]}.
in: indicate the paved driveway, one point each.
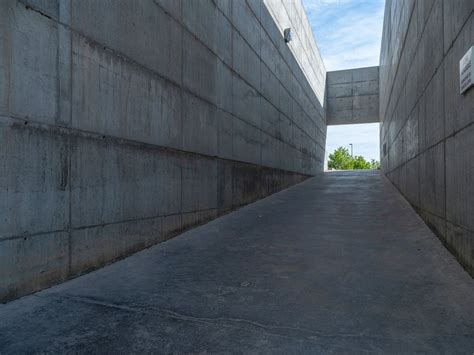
{"type": "Point", "coordinates": [339, 263]}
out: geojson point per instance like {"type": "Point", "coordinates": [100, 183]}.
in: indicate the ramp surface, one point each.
{"type": "Point", "coordinates": [339, 263]}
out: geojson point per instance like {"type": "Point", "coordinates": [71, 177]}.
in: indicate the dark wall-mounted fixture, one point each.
{"type": "Point", "coordinates": [287, 35]}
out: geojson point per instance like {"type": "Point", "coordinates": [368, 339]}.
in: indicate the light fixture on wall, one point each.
{"type": "Point", "coordinates": [466, 71]}
{"type": "Point", "coordinates": [287, 35]}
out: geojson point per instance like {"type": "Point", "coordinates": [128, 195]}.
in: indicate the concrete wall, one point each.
{"type": "Point", "coordinates": [125, 122]}
{"type": "Point", "coordinates": [427, 137]}
{"type": "Point", "coordinates": [353, 96]}
{"type": "Point", "coordinates": [291, 14]}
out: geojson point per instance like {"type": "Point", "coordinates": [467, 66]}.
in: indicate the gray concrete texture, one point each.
{"type": "Point", "coordinates": [125, 122]}
{"type": "Point", "coordinates": [282, 275]}
{"type": "Point", "coordinates": [353, 96]}
{"type": "Point", "coordinates": [427, 134]}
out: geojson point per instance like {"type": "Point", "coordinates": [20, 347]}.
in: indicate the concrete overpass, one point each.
{"type": "Point", "coordinates": [353, 96]}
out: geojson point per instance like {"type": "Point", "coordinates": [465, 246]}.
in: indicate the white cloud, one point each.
{"type": "Point", "coordinates": [317, 4]}
{"type": "Point", "coordinates": [348, 32]}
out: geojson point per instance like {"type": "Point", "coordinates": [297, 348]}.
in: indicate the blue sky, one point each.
{"type": "Point", "coordinates": [348, 34]}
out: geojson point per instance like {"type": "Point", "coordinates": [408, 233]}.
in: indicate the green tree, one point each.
{"type": "Point", "coordinates": [340, 159]}
{"type": "Point", "coordinates": [374, 164]}
{"type": "Point", "coordinates": [361, 163]}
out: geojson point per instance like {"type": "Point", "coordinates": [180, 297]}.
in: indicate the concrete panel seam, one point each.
{"type": "Point", "coordinates": [412, 59]}
{"type": "Point", "coordinates": [20, 122]}
{"type": "Point", "coordinates": [177, 85]}
{"type": "Point", "coordinates": [181, 23]}
{"type": "Point", "coordinates": [297, 35]}
{"type": "Point", "coordinates": [283, 57]}
{"type": "Point", "coordinates": [415, 104]}
{"type": "Point", "coordinates": [455, 38]}
{"type": "Point", "coordinates": [140, 219]}
{"type": "Point", "coordinates": [443, 140]}
{"type": "Point", "coordinates": [398, 63]}
{"type": "Point", "coordinates": [32, 235]}
{"type": "Point", "coordinates": [289, 66]}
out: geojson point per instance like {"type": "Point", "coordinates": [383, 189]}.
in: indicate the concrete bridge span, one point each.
{"type": "Point", "coordinates": [353, 96]}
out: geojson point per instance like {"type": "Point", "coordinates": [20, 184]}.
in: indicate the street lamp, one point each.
{"type": "Point", "coordinates": [352, 155]}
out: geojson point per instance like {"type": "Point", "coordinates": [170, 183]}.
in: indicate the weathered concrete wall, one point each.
{"type": "Point", "coordinates": [353, 96]}
{"type": "Point", "coordinates": [291, 14]}
{"type": "Point", "coordinates": [125, 122]}
{"type": "Point", "coordinates": [427, 137]}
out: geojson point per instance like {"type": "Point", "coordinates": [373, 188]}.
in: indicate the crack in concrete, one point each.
{"type": "Point", "coordinates": [299, 334]}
